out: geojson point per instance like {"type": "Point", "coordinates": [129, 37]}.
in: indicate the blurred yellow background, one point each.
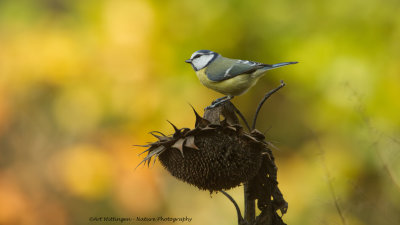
{"type": "Point", "coordinates": [82, 81]}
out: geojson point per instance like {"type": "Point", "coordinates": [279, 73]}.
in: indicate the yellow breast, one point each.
{"type": "Point", "coordinates": [233, 87]}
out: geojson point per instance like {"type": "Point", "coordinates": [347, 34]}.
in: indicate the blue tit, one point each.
{"type": "Point", "coordinates": [231, 77]}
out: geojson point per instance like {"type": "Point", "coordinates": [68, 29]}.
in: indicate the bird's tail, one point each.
{"type": "Point", "coordinates": [266, 67]}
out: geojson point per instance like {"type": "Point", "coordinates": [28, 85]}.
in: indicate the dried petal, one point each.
{"type": "Point", "coordinates": [157, 151]}
{"type": "Point", "coordinates": [208, 128]}
{"type": "Point", "coordinates": [237, 126]}
{"type": "Point", "coordinates": [273, 146]}
{"type": "Point", "coordinates": [267, 154]}
{"type": "Point", "coordinates": [179, 145]}
{"type": "Point", "coordinates": [190, 143]}
{"type": "Point", "coordinates": [250, 137]}
{"type": "Point", "coordinates": [200, 121]}
{"type": "Point", "coordinates": [144, 151]}
{"type": "Point", "coordinates": [184, 130]}
{"type": "Point", "coordinates": [177, 131]}
{"type": "Point", "coordinates": [215, 125]}
{"type": "Point", "coordinates": [231, 128]}
{"type": "Point", "coordinates": [161, 138]}
{"type": "Point", "coordinates": [143, 145]}
{"type": "Point", "coordinates": [192, 132]}
{"type": "Point", "coordinates": [158, 133]}
{"type": "Point", "coordinates": [224, 123]}
{"type": "Point", "coordinates": [155, 159]}
{"type": "Point", "coordinates": [257, 134]}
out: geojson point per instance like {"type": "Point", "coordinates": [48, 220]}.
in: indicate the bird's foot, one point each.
{"type": "Point", "coordinates": [219, 101]}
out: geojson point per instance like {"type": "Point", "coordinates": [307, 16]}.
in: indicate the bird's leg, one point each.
{"type": "Point", "coordinates": [219, 101]}
{"type": "Point", "coordinates": [226, 98]}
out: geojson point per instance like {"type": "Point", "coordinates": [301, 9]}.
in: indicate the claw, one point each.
{"type": "Point", "coordinates": [219, 101]}
{"type": "Point", "coordinates": [210, 107]}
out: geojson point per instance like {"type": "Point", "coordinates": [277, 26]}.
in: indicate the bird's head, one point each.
{"type": "Point", "coordinates": [201, 59]}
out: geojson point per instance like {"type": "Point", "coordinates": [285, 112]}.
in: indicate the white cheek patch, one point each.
{"type": "Point", "coordinates": [202, 61]}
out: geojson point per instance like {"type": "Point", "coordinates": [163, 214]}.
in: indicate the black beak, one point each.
{"type": "Point", "coordinates": [188, 61]}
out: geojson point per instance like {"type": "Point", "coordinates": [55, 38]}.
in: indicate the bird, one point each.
{"type": "Point", "coordinates": [231, 77]}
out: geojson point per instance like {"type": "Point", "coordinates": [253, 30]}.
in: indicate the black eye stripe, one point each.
{"type": "Point", "coordinates": [197, 56]}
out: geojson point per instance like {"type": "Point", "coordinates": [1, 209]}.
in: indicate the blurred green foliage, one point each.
{"type": "Point", "coordinates": [81, 81]}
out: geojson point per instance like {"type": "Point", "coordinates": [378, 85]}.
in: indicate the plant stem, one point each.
{"type": "Point", "coordinates": [262, 102]}
{"type": "Point", "coordinates": [249, 205]}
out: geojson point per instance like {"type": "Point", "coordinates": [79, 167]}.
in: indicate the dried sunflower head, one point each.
{"type": "Point", "coordinates": [211, 156]}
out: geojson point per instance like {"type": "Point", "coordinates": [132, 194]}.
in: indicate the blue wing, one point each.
{"type": "Point", "coordinates": [223, 69]}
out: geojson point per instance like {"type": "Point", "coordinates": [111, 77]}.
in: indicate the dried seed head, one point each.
{"type": "Point", "coordinates": [210, 156]}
